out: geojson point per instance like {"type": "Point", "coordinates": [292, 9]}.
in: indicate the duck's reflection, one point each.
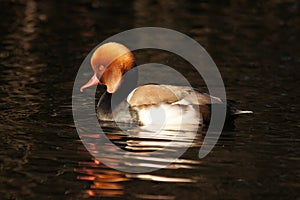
{"type": "Point", "coordinates": [109, 182]}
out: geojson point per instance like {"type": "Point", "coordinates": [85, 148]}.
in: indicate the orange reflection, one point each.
{"type": "Point", "coordinates": [105, 181]}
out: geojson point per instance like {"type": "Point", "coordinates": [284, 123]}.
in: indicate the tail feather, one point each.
{"type": "Point", "coordinates": [241, 112]}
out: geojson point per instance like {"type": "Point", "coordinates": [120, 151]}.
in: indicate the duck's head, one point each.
{"type": "Point", "coordinates": [109, 62]}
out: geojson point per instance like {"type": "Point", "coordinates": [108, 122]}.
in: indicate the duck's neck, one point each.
{"type": "Point", "coordinates": [114, 107]}
{"type": "Point", "coordinates": [104, 110]}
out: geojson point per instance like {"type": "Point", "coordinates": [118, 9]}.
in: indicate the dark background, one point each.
{"type": "Point", "coordinates": [255, 44]}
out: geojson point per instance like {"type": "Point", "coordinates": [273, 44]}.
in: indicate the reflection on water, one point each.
{"type": "Point", "coordinates": [256, 47]}
{"type": "Point", "coordinates": [142, 147]}
{"type": "Point", "coordinates": [105, 181]}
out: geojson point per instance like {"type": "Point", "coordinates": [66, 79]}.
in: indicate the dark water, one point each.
{"type": "Point", "coordinates": [256, 47]}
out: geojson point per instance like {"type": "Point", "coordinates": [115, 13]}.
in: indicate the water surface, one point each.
{"type": "Point", "coordinates": [256, 47]}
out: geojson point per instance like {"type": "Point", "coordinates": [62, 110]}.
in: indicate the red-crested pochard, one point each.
{"type": "Point", "coordinates": [151, 103]}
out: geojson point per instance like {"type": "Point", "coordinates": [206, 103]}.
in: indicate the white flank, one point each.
{"type": "Point", "coordinates": [168, 116]}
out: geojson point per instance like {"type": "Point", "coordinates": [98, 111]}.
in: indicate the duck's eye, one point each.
{"type": "Point", "coordinates": [101, 68]}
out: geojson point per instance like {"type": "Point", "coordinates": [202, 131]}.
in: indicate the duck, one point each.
{"type": "Point", "coordinates": [150, 103]}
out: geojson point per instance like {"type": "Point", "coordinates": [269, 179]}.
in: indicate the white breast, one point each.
{"type": "Point", "coordinates": [168, 116]}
